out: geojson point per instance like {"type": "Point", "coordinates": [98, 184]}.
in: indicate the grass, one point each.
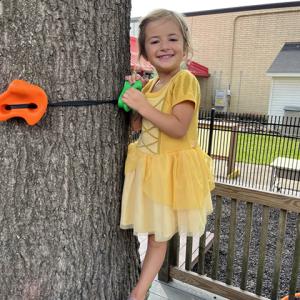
{"type": "Point", "coordinates": [262, 149]}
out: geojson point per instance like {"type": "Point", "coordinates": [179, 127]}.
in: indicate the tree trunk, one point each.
{"type": "Point", "coordinates": [61, 180]}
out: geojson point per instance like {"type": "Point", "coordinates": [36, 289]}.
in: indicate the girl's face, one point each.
{"type": "Point", "coordinates": [164, 45]}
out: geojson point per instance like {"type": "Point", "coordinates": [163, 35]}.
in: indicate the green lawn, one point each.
{"type": "Point", "coordinates": [260, 149]}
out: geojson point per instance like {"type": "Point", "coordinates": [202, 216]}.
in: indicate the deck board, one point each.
{"type": "Point", "coordinates": [176, 290]}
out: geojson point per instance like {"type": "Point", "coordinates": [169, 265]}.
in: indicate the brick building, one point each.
{"type": "Point", "coordinates": [238, 45]}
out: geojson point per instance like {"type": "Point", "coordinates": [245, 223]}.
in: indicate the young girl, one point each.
{"type": "Point", "coordinates": [167, 176]}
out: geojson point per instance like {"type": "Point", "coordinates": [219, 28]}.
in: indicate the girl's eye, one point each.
{"type": "Point", "coordinates": [154, 42]}
{"type": "Point", "coordinates": [173, 40]}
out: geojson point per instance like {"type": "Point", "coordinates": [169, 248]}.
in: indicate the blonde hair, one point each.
{"type": "Point", "coordinates": [161, 14]}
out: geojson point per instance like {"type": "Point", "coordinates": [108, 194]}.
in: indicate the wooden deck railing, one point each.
{"type": "Point", "coordinates": [236, 195]}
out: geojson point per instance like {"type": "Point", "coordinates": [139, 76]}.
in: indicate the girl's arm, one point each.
{"type": "Point", "coordinates": [175, 124]}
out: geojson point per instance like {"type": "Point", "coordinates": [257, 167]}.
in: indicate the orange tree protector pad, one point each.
{"type": "Point", "coordinates": [23, 100]}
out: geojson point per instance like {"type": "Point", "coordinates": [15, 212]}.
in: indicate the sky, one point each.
{"type": "Point", "coordinates": [142, 7]}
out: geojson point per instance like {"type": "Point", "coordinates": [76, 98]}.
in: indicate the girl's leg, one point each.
{"type": "Point", "coordinates": [153, 261]}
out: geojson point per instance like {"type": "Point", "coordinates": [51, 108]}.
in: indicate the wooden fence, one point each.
{"type": "Point", "coordinates": [267, 202]}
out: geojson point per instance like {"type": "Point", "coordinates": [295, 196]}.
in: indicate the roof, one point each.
{"type": "Point", "coordinates": [197, 69]}
{"type": "Point", "coordinates": [140, 64]}
{"type": "Point", "coordinates": [235, 9]}
{"type": "Point", "coordinates": [287, 61]}
{"type": "Point", "coordinates": [243, 8]}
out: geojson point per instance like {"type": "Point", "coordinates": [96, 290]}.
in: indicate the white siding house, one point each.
{"type": "Point", "coordinates": [285, 88]}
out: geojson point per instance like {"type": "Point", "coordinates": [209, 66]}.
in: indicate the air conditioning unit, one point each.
{"type": "Point", "coordinates": [292, 111]}
{"type": "Point", "coordinates": [221, 100]}
{"type": "Point", "coordinates": [291, 128]}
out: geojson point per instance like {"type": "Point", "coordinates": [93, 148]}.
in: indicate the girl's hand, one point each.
{"type": "Point", "coordinates": [135, 100]}
{"type": "Point", "coordinates": [134, 77]}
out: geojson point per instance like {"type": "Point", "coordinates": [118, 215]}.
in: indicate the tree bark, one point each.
{"type": "Point", "coordinates": [61, 180]}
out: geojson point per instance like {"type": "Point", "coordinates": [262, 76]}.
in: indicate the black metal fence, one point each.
{"type": "Point", "coordinates": [257, 151]}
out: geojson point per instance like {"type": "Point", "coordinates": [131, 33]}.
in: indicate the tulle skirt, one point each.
{"type": "Point", "coordinates": [167, 193]}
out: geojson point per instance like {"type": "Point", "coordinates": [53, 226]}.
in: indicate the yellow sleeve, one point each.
{"type": "Point", "coordinates": [186, 87]}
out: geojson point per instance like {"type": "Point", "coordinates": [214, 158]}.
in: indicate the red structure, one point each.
{"type": "Point", "coordinates": [136, 63]}
{"type": "Point", "coordinates": [197, 69]}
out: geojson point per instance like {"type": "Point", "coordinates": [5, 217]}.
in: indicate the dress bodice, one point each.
{"type": "Point", "coordinates": [183, 86]}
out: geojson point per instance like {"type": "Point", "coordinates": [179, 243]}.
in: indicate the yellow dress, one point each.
{"type": "Point", "coordinates": [167, 180]}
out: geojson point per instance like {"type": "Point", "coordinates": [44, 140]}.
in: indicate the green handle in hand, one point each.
{"type": "Point", "coordinates": [137, 85]}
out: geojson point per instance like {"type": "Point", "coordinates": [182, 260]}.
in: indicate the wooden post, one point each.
{"type": "Point", "coordinates": [201, 257]}
{"type": "Point", "coordinates": [296, 263]}
{"type": "Point", "coordinates": [232, 151]}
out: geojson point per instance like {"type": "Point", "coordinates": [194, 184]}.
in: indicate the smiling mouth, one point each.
{"type": "Point", "coordinates": [165, 56]}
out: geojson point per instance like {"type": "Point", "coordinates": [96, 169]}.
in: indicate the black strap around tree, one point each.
{"type": "Point", "coordinates": [75, 103]}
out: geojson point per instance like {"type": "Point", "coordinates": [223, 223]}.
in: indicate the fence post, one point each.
{"type": "Point", "coordinates": [171, 259]}
{"type": "Point", "coordinates": [232, 150]}
{"type": "Point", "coordinates": [211, 131]}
